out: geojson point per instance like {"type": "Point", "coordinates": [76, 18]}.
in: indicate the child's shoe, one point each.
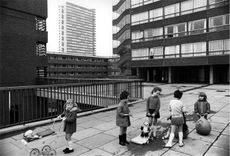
{"type": "Point", "coordinates": [69, 151]}
{"type": "Point", "coordinates": [65, 149]}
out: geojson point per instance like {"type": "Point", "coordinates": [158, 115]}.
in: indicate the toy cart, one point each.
{"type": "Point", "coordinates": [44, 144]}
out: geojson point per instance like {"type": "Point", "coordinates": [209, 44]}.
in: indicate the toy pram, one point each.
{"type": "Point", "coordinates": [145, 136]}
{"type": "Point", "coordinates": [43, 140]}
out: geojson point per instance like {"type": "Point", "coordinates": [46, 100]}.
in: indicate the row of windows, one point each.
{"type": "Point", "coordinates": [137, 3]}
{"type": "Point", "coordinates": [76, 59]}
{"type": "Point", "coordinates": [216, 23]}
{"type": "Point", "coordinates": [217, 47]}
{"type": "Point", "coordinates": [77, 74]}
{"type": "Point", "coordinates": [177, 9]}
{"type": "Point", "coordinates": [76, 66]}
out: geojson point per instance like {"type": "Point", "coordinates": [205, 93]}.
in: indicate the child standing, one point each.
{"type": "Point", "coordinates": [123, 117]}
{"type": "Point", "coordinates": [69, 118]}
{"type": "Point", "coordinates": [176, 108]}
{"type": "Point", "coordinates": [202, 107]}
{"type": "Point", "coordinates": [152, 109]}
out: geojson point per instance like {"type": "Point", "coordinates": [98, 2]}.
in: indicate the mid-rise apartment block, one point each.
{"type": "Point", "coordinates": [77, 32]}
{"type": "Point", "coordinates": [179, 41]}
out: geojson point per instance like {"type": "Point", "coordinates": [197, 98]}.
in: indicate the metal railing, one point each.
{"type": "Point", "coordinates": [20, 105]}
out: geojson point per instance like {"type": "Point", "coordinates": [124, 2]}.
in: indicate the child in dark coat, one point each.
{"type": "Point", "coordinates": [202, 107]}
{"type": "Point", "coordinates": [123, 117]}
{"type": "Point", "coordinates": [69, 118]}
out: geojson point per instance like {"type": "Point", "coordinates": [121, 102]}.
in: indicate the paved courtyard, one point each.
{"type": "Point", "coordinates": [97, 133]}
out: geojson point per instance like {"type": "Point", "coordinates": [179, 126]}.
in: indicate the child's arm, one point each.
{"type": "Point", "coordinates": [147, 106]}
{"type": "Point", "coordinates": [196, 107]}
{"type": "Point", "coordinates": [158, 106]}
{"type": "Point", "coordinates": [208, 108]}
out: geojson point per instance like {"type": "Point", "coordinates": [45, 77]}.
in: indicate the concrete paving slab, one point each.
{"type": "Point", "coordinates": [222, 114]}
{"type": "Point", "coordinates": [152, 149]}
{"type": "Point", "coordinates": [216, 151]}
{"type": "Point", "coordinates": [105, 126]}
{"type": "Point", "coordinates": [113, 132]}
{"type": "Point", "coordinates": [222, 142]}
{"type": "Point", "coordinates": [9, 149]}
{"type": "Point", "coordinates": [108, 119]}
{"type": "Point", "coordinates": [91, 123]}
{"type": "Point", "coordinates": [219, 119]}
{"type": "Point", "coordinates": [80, 135]}
{"type": "Point", "coordinates": [218, 126]}
{"type": "Point", "coordinates": [96, 140]}
{"type": "Point", "coordinates": [192, 147]}
{"type": "Point", "coordinates": [226, 131]}
{"type": "Point", "coordinates": [173, 153]}
{"type": "Point", "coordinates": [114, 148]}
{"type": "Point", "coordinates": [209, 138]}
{"type": "Point", "coordinates": [96, 152]}
{"type": "Point", "coordinates": [77, 150]}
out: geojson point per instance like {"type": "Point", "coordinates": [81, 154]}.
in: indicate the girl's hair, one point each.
{"type": "Point", "coordinates": [178, 94]}
{"type": "Point", "coordinates": [155, 89]}
{"type": "Point", "coordinates": [203, 95]}
{"type": "Point", "coordinates": [124, 95]}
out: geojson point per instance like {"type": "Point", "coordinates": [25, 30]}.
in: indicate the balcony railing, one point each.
{"type": "Point", "coordinates": [20, 105]}
{"type": "Point", "coordinates": [187, 54]}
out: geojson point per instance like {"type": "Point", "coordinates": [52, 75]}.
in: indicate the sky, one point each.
{"type": "Point", "coordinates": [103, 24]}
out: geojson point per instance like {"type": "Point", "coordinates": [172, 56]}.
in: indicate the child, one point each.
{"type": "Point", "coordinates": [69, 118]}
{"type": "Point", "coordinates": [152, 108]}
{"type": "Point", "coordinates": [176, 109]}
{"type": "Point", "coordinates": [202, 107]}
{"type": "Point", "coordinates": [123, 117]}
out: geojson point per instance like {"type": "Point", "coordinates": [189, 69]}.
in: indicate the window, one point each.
{"type": "Point", "coordinates": [175, 30]}
{"type": "Point", "coordinates": [40, 24]}
{"type": "Point", "coordinates": [197, 27]}
{"type": "Point", "coordinates": [40, 49]}
{"type": "Point", "coordinates": [150, 34]}
{"type": "Point", "coordinates": [187, 50]}
{"type": "Point", "coordinates": [199, 49]}
{"type": "Point", "coordinates": [137, 36]}
{"type": "Point", "coordinates": [156, 53]}
{"type": "Point", "coordinates": [172, 51]}
{"type": "Point", "coordinates": [191, 6]}
{"type": "Point", "coordinates": [171, 10]}
{"type": "Point", "coordinates": [140, 18]}
{"type": "Point", "coordinates": [199, 5]}
{"type": "Point", "coordinates": [219, 23]}
{"type": "Point", "coordinates": [41, 72]}
{"type": "Point", "coordinates": [156, 14]}
{"type": "Point", "coordinates": [216, 3]}
{"type": "Point", "coordinates": [140, 54]}
{"type": "Point", "coordinates": [193, 49]}
{"type": "Point", "coordinates": [186, 7]}
{"type": "Point", "coordinates": [219, 47]}
{"type": "Point", "coordinates": [136, 3]}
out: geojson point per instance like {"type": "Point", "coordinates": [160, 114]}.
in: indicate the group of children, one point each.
{"type": "Point", "coordinates": [176, 109]}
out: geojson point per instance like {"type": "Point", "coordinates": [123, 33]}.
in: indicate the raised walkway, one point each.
{"type": "Point", "coordinates": [97, 133]}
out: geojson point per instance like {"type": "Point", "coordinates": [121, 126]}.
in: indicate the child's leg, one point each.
{"type": "Point", "coordinates": [154, 127]}
{"type": "Point", "coordinates": [121, 136]}
{"type": "Point", "coordinates": [150, 121]}
{"type": "Point", "coordinates": [180, 135]}
{"type": "Point", "coordinates": [171, 137]}
{"type": "Point", "coordinates": [69, 141]}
